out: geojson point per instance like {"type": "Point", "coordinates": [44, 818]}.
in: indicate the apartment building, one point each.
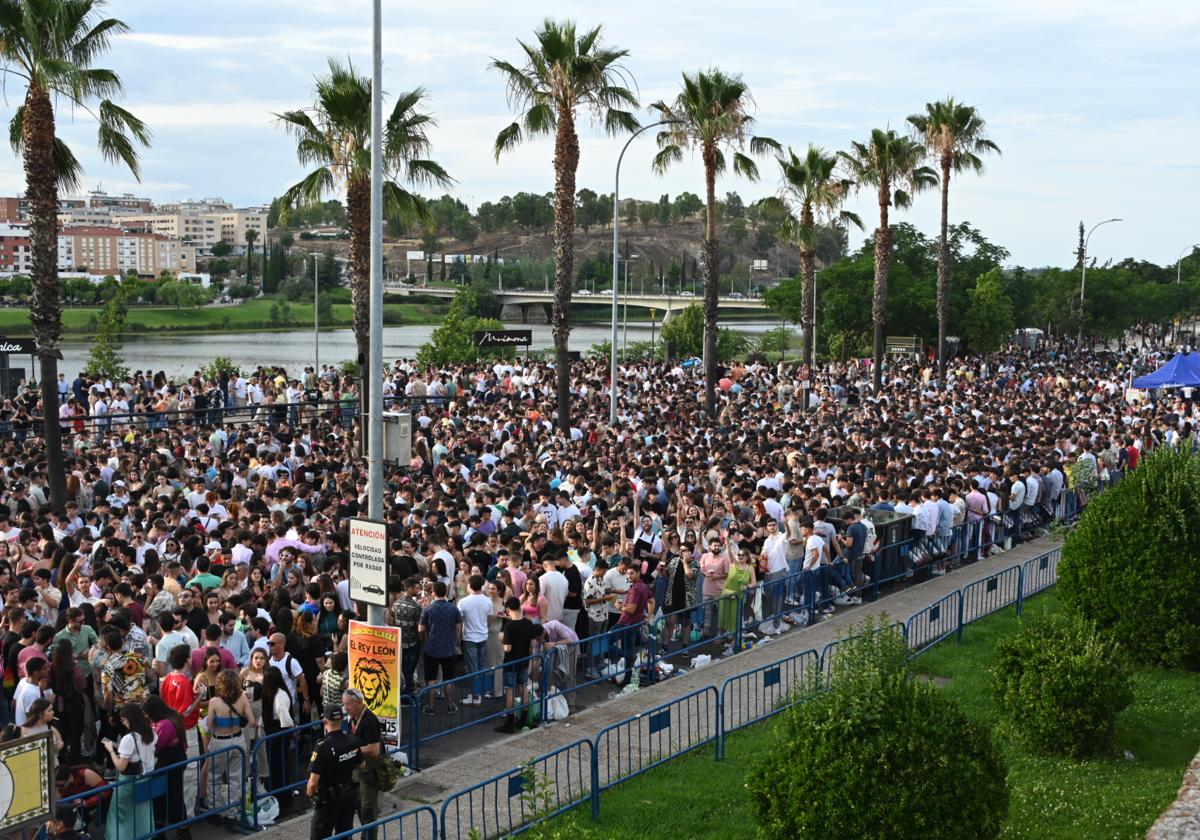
{"type": "Point", "coordinates": [202, 229]}
{"type": "Point", "coordinates": [108, 250]}
{"type": "Point", "coordinates": [96, 205]}
{"type": "Point", "coordinates": [16, 256]}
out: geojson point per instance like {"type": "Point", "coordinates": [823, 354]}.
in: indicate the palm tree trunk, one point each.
{"type": "Point", "coordinates": [45, 309]}
{"type": "Point", "coordinates": [566, 161]}
{"type": "Point", "coordinates": [358, 219]}
{"type": "Point", "coordinates": [808, 270]}
{"type": "Point", "coordinates": [709, 270]}
{"type": "Point", "coordinates": [943, 284]}
{"type": "Point", "coordinates": [883, 252]}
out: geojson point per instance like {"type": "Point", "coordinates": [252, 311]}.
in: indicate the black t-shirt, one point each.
{"type": "Point", "coordinates": [368, 730]}
{"type": "Point", "coordinates": [574, 585]}
{"type": "Point", "coordinates": [519, 635]}
{"type": "Point", "coordinates": [405, 566]}
{"type": "Point", "coordinates": [198, 621]}
{"type": "Point", "coordinates": [335, 758]}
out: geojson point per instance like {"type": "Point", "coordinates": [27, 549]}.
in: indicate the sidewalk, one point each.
{"type": "Point", "coordinates": [495, 754]}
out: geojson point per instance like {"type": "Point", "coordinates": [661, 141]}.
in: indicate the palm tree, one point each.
{"type": "Point", "coordinates": [711, 115]}
{"type": "Point", "coordinates": [251, 236]}
{"type": "Point", "coordinates": [892, 164]}
{"type": "Point", "coordinates": [563, 72]}
{"type": "Point", "coordinates": [334, 134]}
{"type": "Point", "coordinates": [50, 45]}
{"type": "Point", "coordinates": [811, 192]}
{"type": "Point", "coordinates": [956, 135]}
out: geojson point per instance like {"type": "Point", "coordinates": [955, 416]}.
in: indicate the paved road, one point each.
{"type": "Point", "coordinates": [484, 755]}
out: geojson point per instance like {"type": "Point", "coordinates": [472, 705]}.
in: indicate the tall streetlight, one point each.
{"type": "Point", "coordinates": [316, 320]}
{"type": "Point", "coordinates": [1179, 260]}
{"type": "Point", "coordinates": [612, 388]}
{"type": "Point", "coordinates": [375, 615]}
{"type": "Point", "coordinates": [1083, 279]}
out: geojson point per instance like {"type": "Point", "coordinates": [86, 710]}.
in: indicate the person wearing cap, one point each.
{"type": "Point", "coordinates": [331, 785]}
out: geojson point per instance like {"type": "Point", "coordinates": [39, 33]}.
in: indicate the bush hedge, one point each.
{"type": "Point", "coordinates": [879, 754]}
{"type": "Point", "coordinates": [1060, 686]}
{"type": "Point", "coordinates": [1132, 566]}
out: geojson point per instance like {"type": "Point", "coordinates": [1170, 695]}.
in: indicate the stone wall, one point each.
{"type": "Point", "coordinates": [1182, 820]}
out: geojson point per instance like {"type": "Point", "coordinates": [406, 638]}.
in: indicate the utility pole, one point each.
{"type": "Point", "coordinates": [375, 614]}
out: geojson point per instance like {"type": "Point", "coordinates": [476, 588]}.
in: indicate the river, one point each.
{"type": "Point", "coordinates": [180, 355]}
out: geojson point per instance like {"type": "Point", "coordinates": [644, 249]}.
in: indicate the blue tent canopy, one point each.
{"type": "Point", "coordinates": [1183, 371]}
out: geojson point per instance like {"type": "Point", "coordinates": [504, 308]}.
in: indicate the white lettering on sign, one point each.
{"type": "Point", "coordinates": [368, 562]}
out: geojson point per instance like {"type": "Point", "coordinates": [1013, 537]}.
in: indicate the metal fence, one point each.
{"type": "Point", "coordinates": [764, 692]}
{"type": "Point", "coordinates": [414, 824]}
{"type": "Point", "coordinates": [516, 800]}
{"type": "Point", "coordinates": [934, 623]}
{"type": "Point", "coordinates": [994, 592]}
{"type": "Point", "coordinates": [646, 740]}
{"type": "Point", "coordinates": [1040, 572]}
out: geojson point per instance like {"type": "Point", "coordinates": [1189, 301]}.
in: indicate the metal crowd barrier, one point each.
{"type": "Point", "coordinates": [990, 594]}
{"type": "Point", "coordinates": [764, 692]}
{"type": "Point", "coordinates": [284, 756]}
{"type": "Point", "coordinates": [646, 740]}
{"type": "Point", "coordinates": [829, 652]}
{"type": "Point", "coordinates": [516, 800]}
{"type": "Point", "coordinates": [147, 801]}
{"type": "Point", "coordinates": [934, 623]}
{"type": "Point", "coordinates": [1040, 572]}
{"type": "Point", "coordinates": [419, 823]}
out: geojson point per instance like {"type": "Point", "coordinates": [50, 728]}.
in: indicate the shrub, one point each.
{"type": "Point", "coordinates": [1130, 566]}
{"type": "Point", "coordinates": [1060, 686]}
{"type": "Point", "coordinates": [879, 754]}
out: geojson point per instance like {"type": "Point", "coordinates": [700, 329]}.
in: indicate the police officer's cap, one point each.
{"type": "Point", "coordinates": [334, 712]}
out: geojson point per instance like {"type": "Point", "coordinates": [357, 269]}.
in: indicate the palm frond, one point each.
{"type": "Point", "coordinates": [508, 138]}
{"type": "Point", "coordinates": [745, 167]}
{"type": "Point", "coordinates": [309, 191]}
{"type": "Point", "coordinates": [666, 156]}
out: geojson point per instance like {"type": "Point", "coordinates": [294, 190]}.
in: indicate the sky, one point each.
{"type": "Point", "coordinates": [1092, 102]}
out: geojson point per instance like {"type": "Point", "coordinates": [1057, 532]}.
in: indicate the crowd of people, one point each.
{"type": "Point", "coordinates": [191, 597]}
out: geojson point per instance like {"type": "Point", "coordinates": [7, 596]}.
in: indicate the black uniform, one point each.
{"type": "Point", "coordinates": [334, 761]}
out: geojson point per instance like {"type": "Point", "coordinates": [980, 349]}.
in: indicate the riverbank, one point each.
{"type": "Point", "coordinates": [247, 316]}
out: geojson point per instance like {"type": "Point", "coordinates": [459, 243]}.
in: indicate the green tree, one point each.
{"type": "Point", "coordinates": [812, 192]}
{"type": "Point", "coordinates": [50, 47]}
{"type": "Point", "coordinates": [711, 115]}
{"type": "Point", "coordinates": [334, 135]}
{"type": "Point", "coordinates": [564, 71]}
{"type": "Point", "coordinates": [662, 210]}
{"type": "Point", "coordinates": [251, 237]}
{"type": "Point", "coordinates": [685, 334]}
{"type": "Point", "coordinates": [736, 230]}
{"type": "Point", "coordinates": [989, 322]}
{"type": "Point", "coordinates": [104, 356]}
{"type": "Point", "coordinates": [956, 135]}
{"type": "Point", "coordinates": [222, 248]}
{"type": "Point", "coordinates": [892, 165]}
{"type": "Point", "coordinates": [453, 341]}
{"type": "Point", "coordinates": [646, 213]}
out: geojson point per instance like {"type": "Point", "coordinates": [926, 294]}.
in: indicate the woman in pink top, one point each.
{"type": "Point", "coordinates": [533, 602]}
{"type": "Point", "coordinates": [714, 568]}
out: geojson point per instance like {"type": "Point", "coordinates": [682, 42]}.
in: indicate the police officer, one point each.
{"type": "Point", "coordinates": [331, 784]}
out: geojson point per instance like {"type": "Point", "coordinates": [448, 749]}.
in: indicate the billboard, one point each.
{"type": "Point", "coordinates": [374, 654]}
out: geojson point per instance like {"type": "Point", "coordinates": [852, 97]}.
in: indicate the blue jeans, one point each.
{"type": "Point", "coordinates": [840, 572]}
{"type": "Point", "coordinates": [794, 584]}
{"type": "Point", "coordinates": [475, 654]}
{"type": "Point", "coordinates": [812, 582]}
{"type": "Point", "coordinates": [409, 657]}
{"type": "Point", "coordinates": [773, 595]}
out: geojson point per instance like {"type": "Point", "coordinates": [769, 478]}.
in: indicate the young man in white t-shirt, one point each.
{"type": "Point", "coordinates": [476, 608]}
{"type": "Point", "coordinates": [34, 685]}
{"type": "Point", "coordinates": [814, 550]}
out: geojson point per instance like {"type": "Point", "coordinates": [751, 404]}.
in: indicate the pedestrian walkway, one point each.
{"type": "Point", "coordinates": [494, 754]}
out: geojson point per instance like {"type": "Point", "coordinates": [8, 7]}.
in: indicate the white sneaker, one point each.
{"type": "Point", "coordinates": [841, 601]}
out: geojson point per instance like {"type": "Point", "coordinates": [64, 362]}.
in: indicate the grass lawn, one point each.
{"type": "Point", "coordinates": [1118, 797]}
{"type": "Point", "coordinates": [248, 315]}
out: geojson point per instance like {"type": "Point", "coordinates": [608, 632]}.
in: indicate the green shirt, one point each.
{"type": "Point", "coordinates": [207, 581]}
{"type": "Point", "coordinates": [81, 643]}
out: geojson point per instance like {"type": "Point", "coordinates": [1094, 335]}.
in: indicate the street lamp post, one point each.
{"type": "Point", "coordinates": [375, 615]}
{"type": "Point", "coordinates": [612, 385]}
{"type": "Point", "coordinates": [1083, 278]}
{"type": "Point", "coordinates": [316, 318]}
{"type": "Point", "coordinates": [1179, 261]}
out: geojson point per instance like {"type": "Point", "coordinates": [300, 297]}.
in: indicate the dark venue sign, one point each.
{"type": "Point", "coordinates": [503, 338]}
{"type": "Point", "coordinates": [24, 346]}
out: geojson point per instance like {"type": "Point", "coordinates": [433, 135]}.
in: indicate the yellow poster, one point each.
{"type": "Point", "coordinates": [26, 792]}
{"type": "Point", "coordinates": [375, 671]}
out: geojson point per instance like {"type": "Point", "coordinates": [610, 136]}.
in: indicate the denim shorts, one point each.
{"type": "Point", "coordinates": [516, 677]}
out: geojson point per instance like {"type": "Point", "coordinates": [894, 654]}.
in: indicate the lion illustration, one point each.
{"type": "Point", "coordinates": [373, 680]}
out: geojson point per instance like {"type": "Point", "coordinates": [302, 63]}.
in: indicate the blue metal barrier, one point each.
{"type": "Point", "coordinates": [593, 660]}
{"type": "Point", "coordinates": [763, 692]}
{"type": "Point", "coordinates": [633, 746]}
{"type": "Point", "coordinates": [516, 800]}
{"type": "Point", "coordinates": [994, 592]}
{"type": "Point", "coordinates": [708, 623]}
{"type": "Point", "coordinates": [414, 824]}
{"type": "Point", "coordinates": [284, 756]}
{"type": "Point", "coordinates": [161, 790]}
{"type": "Point", "coordinates": [934, 623]}
{"type": "Point", "coordinates": [439, 710]}
{"type": "Point", "coordinates": [1040, 572]}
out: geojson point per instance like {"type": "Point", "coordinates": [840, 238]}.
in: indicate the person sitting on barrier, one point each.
{"type": "Point", "coordinates": [517, 638]}
{"type": "Point", "coordinates": [331, 784]}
